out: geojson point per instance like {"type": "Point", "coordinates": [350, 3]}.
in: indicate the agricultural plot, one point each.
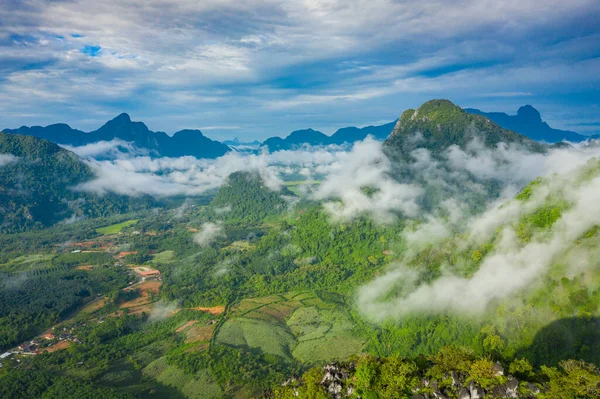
{"type": "Point", "coordinates": [241, 245]}
{"type": "Point", "coordinates": [163, 257]}
{"type": "Point", "coordinates": [28, 263]}
{"type": "Point", "coordinates": [324, 335]}
{"type": "Point", "coordinates": [116, 228]}
{"type": "Point", "coordinates": [258, 334]}
{"type": "Point", "coordinates": [200, 385]}
{"type": "Point", "coordinates": [294, 326]}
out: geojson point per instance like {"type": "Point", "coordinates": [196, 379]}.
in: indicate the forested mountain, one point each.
{"type": "Point", "coordinates": [345, 135]}
{"type": "Point", "coordinates": [244, 198]}
{"type": "Point", "coordinates": [425, 143]}
{"type": "Point", "coordinates": [185, 142]}
{"type": "Point", "coordinates": [37, 181]}
{"type": "Point", "coordinates": [528, 122]}
{"type": "Point", "coordinates": [439, 124]}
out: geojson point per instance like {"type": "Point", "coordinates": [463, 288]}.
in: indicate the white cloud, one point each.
{"type": "Point", "coordinates": [208, 233]}
{"type": "Point", "coordinates": [511, 268]}
{"type": "Point", "coordinates": [113, 148]}
{"type": "Point", "coordinates": [362, 169]}
{"type": "Point", "coordinates": [5, 159]}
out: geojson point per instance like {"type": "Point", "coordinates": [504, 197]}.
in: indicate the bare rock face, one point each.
{"type": "Point", "coordinates": [439, 395]}
{"type": "Point", "coordinates": [464, 393]}
{"type": "Point", "coordinates": [476, 391]}
{"type": "Point", "coordinates": [512, 387]}
{"type": "Point", "coordinates": [334, 380]}
{"type": "Point", "coordinates": [534, 389]}
{"type": "Point", "coordinates": [498, 369]}
{"type": "Point", "coordinates": [455, 379]}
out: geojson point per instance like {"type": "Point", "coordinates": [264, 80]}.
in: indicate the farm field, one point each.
{"type": "Point", "coordinates": [200, 385]}
{"type": "Point", "coordinates": [116, 228]}
{"type": "Point", "coordinates": [295, 327]}
{"type": "Point", "coordinates": [163, 257]}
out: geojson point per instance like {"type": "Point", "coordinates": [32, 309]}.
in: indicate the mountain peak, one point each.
{"type": "Point", "coordinates": [528, 122]}
{"type": "Point", "coordinates": [529, 113]}
{"type": "Point", "coordinates": [122, 118]}
{"type": "Point", "coordinates": [439, 112]}
{"type": "Point", "coordinates": [440, 124]}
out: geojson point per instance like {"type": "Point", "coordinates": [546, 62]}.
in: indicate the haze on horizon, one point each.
{"type": "Point", "coordinates": [254, 69]}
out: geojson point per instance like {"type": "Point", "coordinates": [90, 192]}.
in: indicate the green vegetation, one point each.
{"type": "Point", "coordinates": [276, 294]}
{"type": "Point", "coordinates": [448, 371]}
{"type": "Point", "coordinates": [442, 124]}
{"type": "Point", "coordinates": [35, 300]}
{"type": "Point", "coordinates": [36, 188]}
{"type": "Point", "coordinates": [244, 199]}
{"type": "Point", "coordinates": [116, 228]}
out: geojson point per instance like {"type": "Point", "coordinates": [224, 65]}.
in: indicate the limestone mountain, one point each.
{"type": "Point", "coordinates": [528, 122]}
{"type": "Point", "coordinates": [439, 124]}
{"type": "Point", "coordinates": [182, 143]}
{"type": "Point", "coordinates": [345, 135]}
{"type": "Point", "coordinates": [422, 140]}
{"type": "Point", "coordinates": [37, 181]}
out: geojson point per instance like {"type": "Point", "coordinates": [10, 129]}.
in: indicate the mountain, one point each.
{"type": "Point", "coordinates": [528, 122]}
{"type": "Point", "coordinates": [36, 186]}
{"type": "Point", "coordinates": [185, 142]}
{"type": "Point", "coordinates": [439, 124]}
{"type": "Point", "coordinates": [419, 149]}
{"type": "Point", "coordinates": [244, 197]}
{"type": "Point", "coordinates": [312, 137]}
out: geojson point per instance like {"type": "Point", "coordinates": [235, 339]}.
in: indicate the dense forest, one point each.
{"type": "Point", "coordinates": [37, 187]}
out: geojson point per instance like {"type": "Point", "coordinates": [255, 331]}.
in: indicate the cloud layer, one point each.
{"type": "Point", "coordinates": [513, 266]}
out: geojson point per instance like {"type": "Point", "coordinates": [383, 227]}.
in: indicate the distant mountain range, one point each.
{"type": "Point", "coordinates": [182, 143]}
{"type": "Point", "coordinates": [312, 137]}
{"type": "Point", "coordinates": [528, 122]}
{"type": "Point", "coordinates": [192, 142]}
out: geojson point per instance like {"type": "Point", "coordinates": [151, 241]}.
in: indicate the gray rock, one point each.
{"type": "Point", "coordinates": [455, 379]}
{"type": "Point", "coordinates": [534, 389]}
{"type": "Point", "coordinates": [476, 391]}
{"type": "Point", "coordinates": [512, 387]}
{"type": "Point", "coordinates": [498, 369]}
{"type": "Point", "coordinates": [464, 393]}
{"type": "Point", "coordinates": [439, 395]}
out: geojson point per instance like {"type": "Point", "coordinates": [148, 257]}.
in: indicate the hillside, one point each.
{"type": "Point", "coordinates": [36, 186]}
{"type": "Point", "coordinates": [244, 198]}
{"type": "Point", "coordinates": [182, 143]}
{"type": "Point", "coordinates": [528, 122]}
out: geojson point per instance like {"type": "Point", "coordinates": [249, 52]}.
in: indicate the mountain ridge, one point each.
{"type": "Point", "coordinates": [344, 135]}
{"type": "Point", "coordinates": [36, 186]}
{"type": "Point", "coordinates": [528, 122]}
{"type": "Point", "coordinates": [188, 142]}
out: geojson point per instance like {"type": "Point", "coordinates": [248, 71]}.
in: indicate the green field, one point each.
{"type": "Point", "coordinates": [116, 228]}
{"type": "Point", "coordinates": [296, 327]}
{"type": "Point", "coordinates": [28, 263]}
{"type": "Point", "coordinates": [163, 257]}
{"type": "Point", "coordinates": [199, 385]}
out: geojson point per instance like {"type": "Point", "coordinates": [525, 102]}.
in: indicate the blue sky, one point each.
{"type": "Point", "coordinates": [259, 68]}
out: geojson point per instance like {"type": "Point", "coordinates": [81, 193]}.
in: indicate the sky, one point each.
{"type": "Point", "coordinates": [254, 69]}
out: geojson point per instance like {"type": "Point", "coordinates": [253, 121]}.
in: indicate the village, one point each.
{"type": "Point", "coordinates": [145, 279]}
